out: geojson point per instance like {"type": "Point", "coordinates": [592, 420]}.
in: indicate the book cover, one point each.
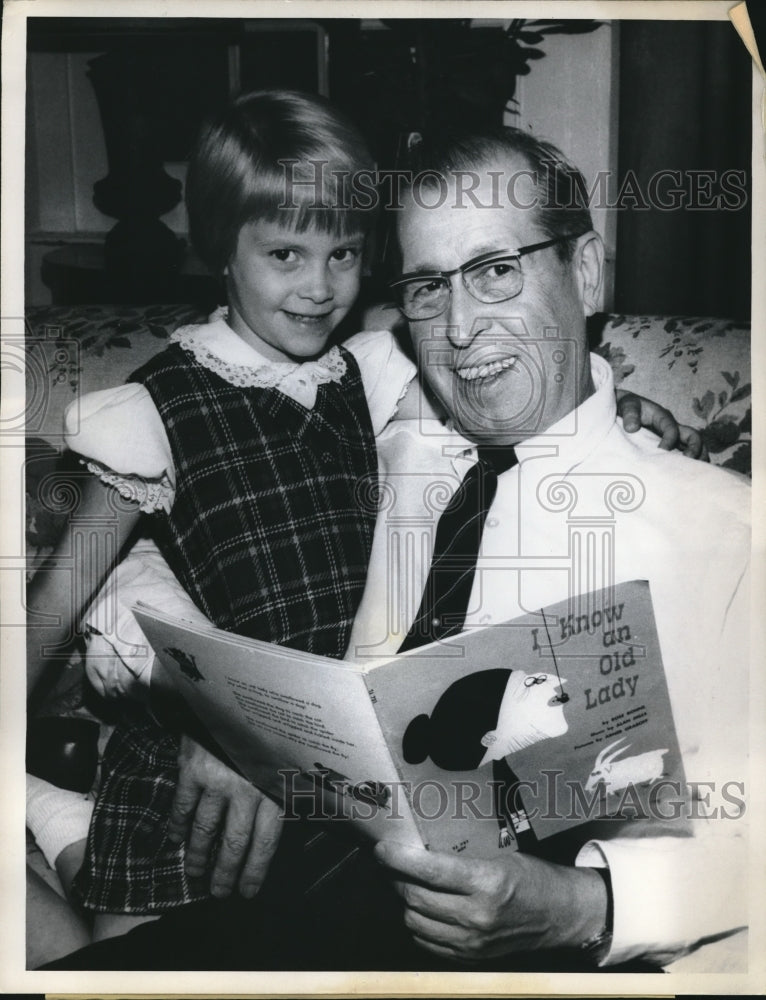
{"type": "Point", "coordinates": [540, 724]}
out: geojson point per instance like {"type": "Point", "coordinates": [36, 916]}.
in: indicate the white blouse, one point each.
{"type": "Point", "coordinates": [120, 433]}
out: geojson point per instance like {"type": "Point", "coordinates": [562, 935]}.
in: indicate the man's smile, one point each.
{"type": "Point", "coordinates": [489, 368]}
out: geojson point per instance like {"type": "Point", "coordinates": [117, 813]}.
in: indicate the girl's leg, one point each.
{"type": "Point", "coordinates": [67, 864]}
{"type": "Point", "coordinates": [107, 925]}
{"type": "Point", "coordinates": [54, 929]}
{"type": "Point", "coordinates": [103, 925]}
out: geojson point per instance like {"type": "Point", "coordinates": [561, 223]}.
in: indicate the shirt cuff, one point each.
{"type": "Point", "coordinates": [670, 893]}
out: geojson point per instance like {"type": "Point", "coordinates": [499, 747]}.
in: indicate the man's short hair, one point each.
{"type": "Point", "coordinates": [279, 156]}
{"type": "Point", "coordinates": [561, 192]}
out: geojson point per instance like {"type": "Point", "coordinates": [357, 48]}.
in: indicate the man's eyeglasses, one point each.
{"type": "Point", "coordinates": [491, 277]}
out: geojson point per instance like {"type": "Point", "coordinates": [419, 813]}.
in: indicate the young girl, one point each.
{"type": "Point", "coordinates": [250, 442]}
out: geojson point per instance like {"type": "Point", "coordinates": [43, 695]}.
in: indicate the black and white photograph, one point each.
{"type": "Point", "coordinates": [380, 498]}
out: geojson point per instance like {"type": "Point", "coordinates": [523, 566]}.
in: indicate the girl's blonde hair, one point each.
{"type": "Point", "coordinates": [282, 156]}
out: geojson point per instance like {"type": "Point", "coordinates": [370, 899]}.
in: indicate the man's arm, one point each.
{"type": "Point", "coordinates": [637, 412]}
{"type": "Point", "coordinates": [675, 895]}
{"type": "Point", "coordinates": [675, 892]}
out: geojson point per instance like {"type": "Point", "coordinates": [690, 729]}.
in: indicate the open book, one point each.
{"type": "Point", "coordinates": [464, 745]}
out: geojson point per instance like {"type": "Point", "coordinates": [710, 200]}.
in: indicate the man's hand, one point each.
{"type": "Point", "coordinates": [637, 412]}
{"type": "Point", "coordinates": [214, 805]}
{"type": "Point", "coordinates": [469, 910]}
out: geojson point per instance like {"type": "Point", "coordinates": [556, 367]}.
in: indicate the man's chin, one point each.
{"type": "Point", "coordinates": [486, 435]}
{"type": "Point", "coordinates": [494, 421]}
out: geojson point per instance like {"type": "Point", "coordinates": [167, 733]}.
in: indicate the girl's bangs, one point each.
{"type": "Point", "coordinates": [317, 195]}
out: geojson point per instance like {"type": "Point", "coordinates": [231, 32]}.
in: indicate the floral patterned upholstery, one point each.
{"type": "Point", "coordinates": [72, 350]}
{"type": "Point", "coordinates": [699, 368]}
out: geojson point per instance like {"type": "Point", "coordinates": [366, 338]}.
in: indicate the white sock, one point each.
{"type": "Point", "coordinates": [56, 817]}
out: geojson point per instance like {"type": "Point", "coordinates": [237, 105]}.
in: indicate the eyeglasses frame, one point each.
{"type": "Point", "coordinates": [484, 258]}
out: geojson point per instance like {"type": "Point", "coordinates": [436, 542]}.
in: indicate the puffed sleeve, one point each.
{"type": "Point", "coordinates": [386, 373]}
{"type": "Point", "coordinates": [121, 438]}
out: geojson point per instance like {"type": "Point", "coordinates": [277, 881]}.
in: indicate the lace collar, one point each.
{"type": "Point", "coordinates": [215, 346]}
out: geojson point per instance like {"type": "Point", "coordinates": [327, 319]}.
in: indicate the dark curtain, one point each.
{"type": "Point", "coordinates": [685, 99]}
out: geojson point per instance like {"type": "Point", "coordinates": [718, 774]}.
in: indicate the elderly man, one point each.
{"type": "Point", "coordinates": [500, 268]}
{"type": "Point", "coordinates": [496, 295]}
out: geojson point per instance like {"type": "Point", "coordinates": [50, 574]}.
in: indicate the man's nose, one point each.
{"type": "Point", "coordinates": [316, 283]}
{"type": "Point", "coordinates": [466, 318]}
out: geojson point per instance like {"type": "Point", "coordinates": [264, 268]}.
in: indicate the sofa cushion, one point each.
{"type": "Point", "coordinates": [697, 367]}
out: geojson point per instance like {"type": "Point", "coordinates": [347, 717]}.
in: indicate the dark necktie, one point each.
{"type": "Point", "coordinates": [456, 547]}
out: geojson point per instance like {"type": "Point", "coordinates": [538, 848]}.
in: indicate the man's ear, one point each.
{"type": "Point", "coordinates": [589, 262]}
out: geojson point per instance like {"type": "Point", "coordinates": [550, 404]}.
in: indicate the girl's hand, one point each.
{"type": "Point", "coordinates": [637, 411]}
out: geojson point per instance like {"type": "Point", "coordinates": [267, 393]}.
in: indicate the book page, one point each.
{"type": "Point", "coordinates": [299, 726]}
